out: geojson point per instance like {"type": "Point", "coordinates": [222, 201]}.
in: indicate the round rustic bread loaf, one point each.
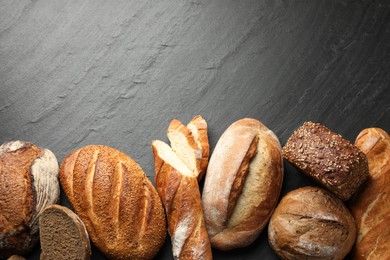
{"type": "Point", "coordinates": [118, 204]}
{"type": "Point", "coordinates": [28, 184]}
{"type": "Point", "coordinates": [311, 223]}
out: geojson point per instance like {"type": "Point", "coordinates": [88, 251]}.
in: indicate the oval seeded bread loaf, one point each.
{"type": "Point", "coordinates": [116, 201]}
{"type": "Point", "coordinates": [63, 235]}
{"type": "Point", "coordinates": [28, 184]}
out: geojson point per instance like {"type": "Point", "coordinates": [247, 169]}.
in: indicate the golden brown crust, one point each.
{"type": "Point", "coordinates": [181, 198]}
{"type": "Point", "coordinates": [115, 200]}
{"type": "Point", "coordinates": [311, 223]}
{"type": "Point", "coordinates": [371, 207]}
{"type": "Point", "coordinates": [260, 185]}
{"type": "Point", "coordinates": [328, 158]}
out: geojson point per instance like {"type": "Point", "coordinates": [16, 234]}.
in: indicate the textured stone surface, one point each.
{"type": "Point", "coordinates": [74, 73]}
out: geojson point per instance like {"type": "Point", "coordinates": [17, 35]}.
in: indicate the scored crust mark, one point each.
{"type": "Point", "coordinates": [116, 191]}
{"type": "Point", "coordinates": [240, 178]}
{"type": "Point", "coordinates": [89, 183]}
{"type": "Point", "coordinates": [145, 212]}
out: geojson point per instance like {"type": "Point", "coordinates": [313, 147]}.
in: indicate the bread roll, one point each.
{"type": "Point", "coordinates": [371, 207]}
{"type": "Point", "coordinates": [242, 185]}
{"type": "Point", "coordinates": [328, 158]}
{"type": "Point", "coordinates": [190, 143]}
{"type": "Point", "coordinates": [63, 235]}
{"type": "Point", "coordinates": [28, 184]}
{"type": "Point", "coordinates": [116, 201]}
{"type": "Point", "coordinates": [179, 191]}
{"type": "Point", "coordinates": [311, 223]}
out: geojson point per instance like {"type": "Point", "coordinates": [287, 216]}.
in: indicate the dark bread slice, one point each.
{"type": "Point", "coordinates": [328, 158]}
{"type": "Point", "coordinates": [63, 235]}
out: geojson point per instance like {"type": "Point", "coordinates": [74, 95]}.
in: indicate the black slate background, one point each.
{"type": "Point", "coordinates": [74, 73]}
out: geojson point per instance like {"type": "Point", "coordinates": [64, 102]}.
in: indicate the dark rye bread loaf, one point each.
{"type": "Point", "coordinates": [63, 235]}
{"type": "Point", "coordinates": [328, 158]}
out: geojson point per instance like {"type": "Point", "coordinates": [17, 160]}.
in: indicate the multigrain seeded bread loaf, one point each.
{"type": "Point", "coordinates": [179, 191]}
{"type": "Point", "coordinates": [311, 223]}
{"type": "Point", "coordinates": [328, 158]}
{"type": "Point", "coordinates": [116, 201]}
{"type": "Point", "coordinates": [242, 185]}
{"type": "Point", "coordinates": [28, 184]}
{"type": "Point", "coordinates": [63, 235]}
{"type": "Point", "coordinates": [371, 207]}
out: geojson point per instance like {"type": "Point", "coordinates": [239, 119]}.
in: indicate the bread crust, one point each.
{"type": "Point", "coordinates": [116, 201]}
{"type": "Point", "coordinates": [371, 207]}
{"type": "Point", "coordinates": [65, 212]}
{"type": "Point", "coordinates": [242, 185]}
{"type": "Point", "coordinates": [311, 223]}
{"type": "Point", "coordinates": [28, 183]}
{"type": "Point", "coordinates": [328, 158]}
{"type": "Point", "coordinates": [181, 198]}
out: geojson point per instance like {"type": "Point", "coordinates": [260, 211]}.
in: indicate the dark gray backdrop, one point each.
{"type": "Point", "coordinates": [74, 73]}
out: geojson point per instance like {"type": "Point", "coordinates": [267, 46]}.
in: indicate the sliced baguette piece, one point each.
{"type": "Point", "coordinates": [198, 128]}
{"type": "Point", "coordinates": [184, 145]}
{"type": "Point", "coordinates": [178, 188]}
{"type": "Point", "coordinates": [63, 235]}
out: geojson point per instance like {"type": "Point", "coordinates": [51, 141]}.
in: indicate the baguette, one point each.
{"type": "Point", "coordinates": [371, 207]}
{"type": "Point", "coordinates": [116, 201]}
{"type": "Point", "coordinates": [28, 184]}
{"type": "Point", "coordinates": [242, 185]}
{"type": "Point", "coordinates": [178, 188]}
{"type": "Point", "coordinates": [63, 235]}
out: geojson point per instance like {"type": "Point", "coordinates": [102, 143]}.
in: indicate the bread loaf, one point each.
{"type": "Point", "coordinates": [328, 158]}
{"type": "Point", "coordinates": [179, 191]}
{"type": "Point", "coordinates": [371, 207]}
{"type": "Point", "coordinates": [63, 235]}
{"type": "Point", "coordinates": [311, 223]}
{"type": "Point", "coordinates": [242, 185]}
{"type": "Point", "coordinates": [116, 201]}
{"type": "Point", "coordinates": [28, 184]}
{"type": "Point", "coordinates": [190, 143]}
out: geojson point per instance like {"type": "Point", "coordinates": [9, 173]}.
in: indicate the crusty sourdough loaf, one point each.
{"type": "Point", "coordinates": [311, 223]}
{"type": "Point", "coordinates": [116, 201]}
{"type": "Point", "coordinates": [190, 143]}
{"type": "Point", "coordinates": [242, 185]}
{"type": "Point", "coordinates": [28, 184]}
{"type": "Point", "coordinates": [328, 158]}
{"type": "Point", "coordinates": [179, 191]}
{"type": "Point", "coordinates": [63, 235]}
{"type": "Point", "coordinates": [371, 207]}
